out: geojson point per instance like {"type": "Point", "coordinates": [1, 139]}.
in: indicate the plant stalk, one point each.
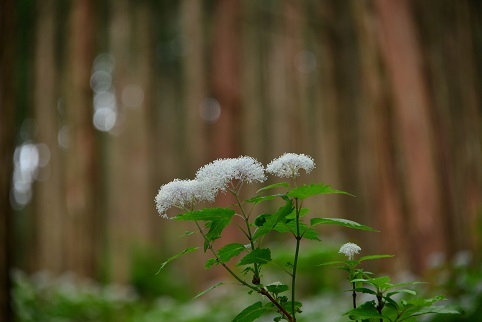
{"type": "Point", "coordinates": [295, 262]}
{"type": "Point", "coordinates": [354, 296]}
{"type": "Point", "coordinates": [281, 308]}
{"type": "Point", "coordinates": [262, 291]}
{"type": "Point", "coordinates": [256, 278]}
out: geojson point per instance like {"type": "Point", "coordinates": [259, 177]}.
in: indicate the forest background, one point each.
{"type": "Point", "coordinates": [101, 102]}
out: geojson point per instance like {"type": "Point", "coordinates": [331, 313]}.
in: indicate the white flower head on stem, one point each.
{"type": "Point", "coordinates": [289, 164]}
{"type": "Point", "coordinates": [221, 172]}
{"type": "Point", "coordinates": [349, 249]}
{"type": "Point", "coordinates": [183, 194]}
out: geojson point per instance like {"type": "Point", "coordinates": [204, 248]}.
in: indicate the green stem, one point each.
{"type": "Point", "coordinates": [295, 262]}
{"type": "Point", "coordinates": [380, 303]}
{"type": "Point", "coordinates": [256, 278]}
{"type": "Point", "coordinates": [275, 302]}
{"type": "Point", "coordinates": [354, 296]}
{"type": "Point", "coordinates": [210, 247]}
{"type": "Point", "coordinates": [262, 290]}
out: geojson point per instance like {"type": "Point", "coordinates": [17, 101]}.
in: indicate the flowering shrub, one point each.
{"type": "Point", "coordinates": [229, 176]}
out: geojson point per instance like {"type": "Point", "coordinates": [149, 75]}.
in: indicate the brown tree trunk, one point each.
{"type": "Point", "coordinates": [49, 206]}
{"type": "Point", "coordinates": [225, 136]}
{"type": "Point", "coordinates": [7, 135]}
{"type": "Point", "coordinates": [130, 208]}
{"type": "Point", "coordinates": [82, 156]}
{"type": "Point", "coordinates": [411, 110]}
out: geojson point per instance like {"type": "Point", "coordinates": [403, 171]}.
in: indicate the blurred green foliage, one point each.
{"type": "Point", "coordinates": [42, 297]}
{"type": "Point", "coordinates": [145, 263]}
{"type": "Point", "coordinates": [463, 282]}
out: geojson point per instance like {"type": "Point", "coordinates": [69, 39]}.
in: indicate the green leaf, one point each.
{"type": "Point", "coordinates": [216, 227]}
{"type": "Point", "coordinates": [229, 251]}
{"type": "Point", "coordinates": [411, 292]}
{"type": "Point", "coordinates": [261, 219]}
{"type": "Point", "coordinates": [340, 222]}
{"type": "Point", "coordinates": [276, 185]}
{"type": "Point", "coordinates": [439, 309]}
{"type": "Point", "coordinates": [303, 213]}
{"type": "Point", "coordinates": [277, 288]}
{"type": "Point", "coordinates": [305, 231]}
{"type": "Point", "coordinates": [365, 311]}
{"type": "Point", "coordinates": [207, 290]}
{"type": "Point", "coordinates": [207, 214]}
{"type": "Point", "coordinates": [250, 313]}
{"type": "Point", "coordinates": [380, 282]}
{"type": "Point", "coordinates": [258, 256]}
{"type": "Point", "coordinates": [331, 263]}
{"type": "Point", "coordinates": [305, 191]}
{"type": "Point", "coordinates": [216, 219]}
{"type": "Point", "coordinates": [365, 290]}
{"type": "Point", "coordinates": [370, 257]}
{"type": "Point", "coordinates": [210, 262]}
{"type": "Point", "coordinates": [274, 219]}
{"type": "Point", "coordinates": [259, 199]}
{"type": "Point", "coordinates": [185, 251]}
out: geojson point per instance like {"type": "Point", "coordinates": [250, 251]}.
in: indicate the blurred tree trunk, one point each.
{"type": "Point", "coordinates": [411, 110]}
{"type": "Point", "coordinates": [49, 206]}
{"type": "Point", "coordinates": [225, 135]}
{"type": "Point", "coordinates": [195, 81]}
{"type": "Point", "coordinates": [253, 91]}
{"type": "Point", "coordinates": [131, 210]}
{"type": "Point", "coordinates": [81, 159]}
{"type": "Point", "coordinates": [382, 189]}
{"type": "Point", "coordinates": [453, 81]}
{"type": "Point", "coordinates": [7, 135]}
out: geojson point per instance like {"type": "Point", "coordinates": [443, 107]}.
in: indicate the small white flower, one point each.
{"type": "Point", "coordinates": [289, 164]}
{"type": "Point", "coordinates": [221, 172]}
{"type": "Point", "coordinates": [183, 194]}
{"type": "Point", "coordinates": [349, 249]}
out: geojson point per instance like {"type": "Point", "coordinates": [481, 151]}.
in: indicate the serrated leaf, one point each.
{"type": "Point", "coordinates": [303, 213]}
{"type": "Point", "coordinates": [185, 251]}
{"type": "Point", "coordinates": [216, 227]}
{"type": "Point", "coordinates": [381, 282]}
{"type": "Point", "coordinates": [259, 199]}
{"type": "Point", "coordinates": [305, 231]}
{"type": "Point", "coordinates": [229, 251]}
{"type": "Point", "coordinates": [370, 257]}
{"type": "Point", "coordinates": [277, 288]}
{"type": "Point", "coordinates": [365, 290]}
{"type": "Point", "coordinates": [439, 309]}
{"type": "Point", "coordinates": [210, 262]}
{"type": "Point", "coordinates": [216, 220]}
{"type": "Point", "coordinates": [207, 214]}
{"type": "Point", "coordinates": [411, 292]}
{"type": "Point", "coordinates": [365, 311]}
{"type": "Point", "coordinates": [274, 219]}
{"type": "Point", "coordinates": [250, 313]}
{"type": "Point", "coordinates": [340, 222]}
{"type": "Point", "coordinates": [276, 185]}
{"type": "Point", "coordinates": [305, 191]}
{"type": "Point", "coordinates": [207, 290]}
{"type": "Point", "coordinates": [259, 256]}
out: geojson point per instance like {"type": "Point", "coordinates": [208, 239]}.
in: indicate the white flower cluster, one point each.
{"type": "Point", "coordinates": [183, 194]}
{"type": "Point", "coordinates": [349, 250]}
{"type": "Point", "coordinates": [219, 174]}
{"type": "Point", "coordinates": [289, 164]}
